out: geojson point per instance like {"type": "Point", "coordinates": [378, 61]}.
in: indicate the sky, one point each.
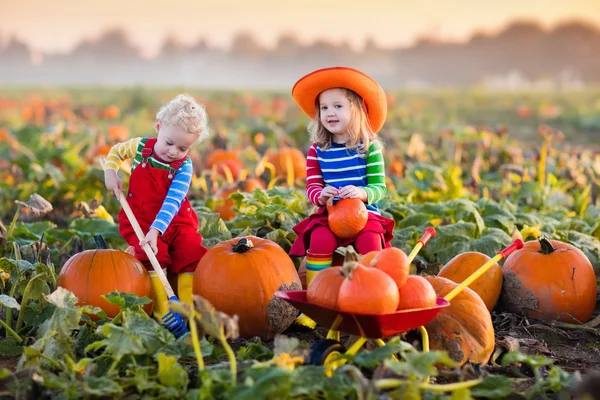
{"type": "Point", "coordinates": [59, 25]}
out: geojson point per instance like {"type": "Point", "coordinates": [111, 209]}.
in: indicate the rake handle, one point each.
{"type": "Point", "coordinates": [146, 247]}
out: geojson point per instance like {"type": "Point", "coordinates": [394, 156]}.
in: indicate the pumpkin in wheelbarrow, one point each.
{"type": "Point", "coordinates": [93, 273]}
{"type": "Point", "coordinates": [240, 277]}
{"type": "Point", "coordinates": [464, 329]}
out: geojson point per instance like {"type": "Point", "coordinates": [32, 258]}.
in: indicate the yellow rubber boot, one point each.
{"type": "Point", "coordinates": [315, 263]}
{"type": "Point", "coordinates": [161, 301]}
{"type": "Point", "coordinates": [185, 281]}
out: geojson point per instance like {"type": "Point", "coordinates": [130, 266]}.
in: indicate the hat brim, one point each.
{"type": "Point", "coordinates": [306, 90]}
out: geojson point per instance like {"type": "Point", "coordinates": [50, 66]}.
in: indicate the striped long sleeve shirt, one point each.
{"type": "Point", "coordinates": [132, 149]}
{"type": "Point", "coordinates": [338, 167]}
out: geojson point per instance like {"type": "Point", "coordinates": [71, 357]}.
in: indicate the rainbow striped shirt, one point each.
{"type": "Point", "coordinates": [338, 167]}
{"type": "Point", "coordinates": [132, 149]}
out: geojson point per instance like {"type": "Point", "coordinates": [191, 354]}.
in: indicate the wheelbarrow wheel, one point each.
{"type": "Point", "coordinates": [325, 352]}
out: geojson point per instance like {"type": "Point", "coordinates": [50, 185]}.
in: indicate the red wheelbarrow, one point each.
{"type": "Point", "coordinates": [376, 326]}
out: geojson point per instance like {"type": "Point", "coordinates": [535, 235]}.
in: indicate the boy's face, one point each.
{"type": "Point", "coordinates": [173, 142]}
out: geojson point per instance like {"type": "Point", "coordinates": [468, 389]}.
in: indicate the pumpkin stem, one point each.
{"type": "Point", "coordinates": [243, 245]}
{"type": "Point", "coordinates": [350, 262]}
{"type": "Point", "coordinates": [329, 202]}
{"type": "Point", "coordinates": [100, 242]}
{"type": "Point", "coordinates": [545, 246]}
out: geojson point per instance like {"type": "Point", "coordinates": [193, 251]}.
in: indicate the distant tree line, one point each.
{"type": "Point", "coordinates": [523, 46]}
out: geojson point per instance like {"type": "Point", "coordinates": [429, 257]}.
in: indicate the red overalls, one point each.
{"type": "Point", "coordinates": [180, 246]}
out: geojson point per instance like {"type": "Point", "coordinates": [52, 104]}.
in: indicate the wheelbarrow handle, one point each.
{"type": "Point", "coordinates": [517, 244]}
{"type": "Point", "coordinates": [429, 233]}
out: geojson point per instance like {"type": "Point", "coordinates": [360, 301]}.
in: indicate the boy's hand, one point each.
{"type": "Point", "coordinates": [353, 192]}
{"type": "Point", "coordinates": [113, 183]}
{"type": "Point", "coordinates": [151, 239]}
{"type": "Point", "coordinates": [326, 193]}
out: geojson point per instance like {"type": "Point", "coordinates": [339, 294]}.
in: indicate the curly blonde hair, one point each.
{"type": "Point", "coordinates": [187, 113]}
{"type": "Point", "coordinates": [360, 133]}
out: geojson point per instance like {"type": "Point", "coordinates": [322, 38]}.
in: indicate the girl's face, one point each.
{"type": "Point", "coordinates": [335, 113]}
{"type": "Point", "coordinates": [173, 142]}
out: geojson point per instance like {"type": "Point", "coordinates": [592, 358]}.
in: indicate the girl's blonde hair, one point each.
{"type": "Point", "coordinates": [185, 112]}
{"type": "Point", "coordinates": [360, 133]}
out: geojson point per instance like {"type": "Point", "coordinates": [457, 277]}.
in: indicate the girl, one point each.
{"type": "Point", "coordinates": [344, 161]}
{"type": "Point", "coordinates": [161, 173]}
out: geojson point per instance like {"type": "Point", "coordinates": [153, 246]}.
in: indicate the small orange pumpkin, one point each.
{"type": "Point", "coordinates": [347, 217]}
{"type": "Point", "coordinates": [240, 277]}
{"type": "Point", "coordinates": [93, 273]}
{"type": "Point", "coordinates": [416, 292]}
{"type": "Point", "coordinates": [324, 289]}
{"type": "Point", "coordinates": [366, 290]}
{"type": "Point", "coordinates": [464, 329]}
{"type": "Point", "coordinates": [549, 279]}
{"type": "Point", "coordinates": [488, 286]}
{"type": "Point", "coordinates": [394, 262]}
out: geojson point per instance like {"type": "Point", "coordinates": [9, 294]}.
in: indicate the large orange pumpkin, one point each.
{"type": "Point", "coordinates": [393, 261]}
{"type": "Point", "coordinates": [487, 286]}
{"type": "Point", "coordinates": [240, 276]}
{"type": "Point", "coordinates": [464, 329]}
{"type": "Point", "coordinates": [346, 217]}
{"type": "Point", "coordinates": [549, 279]}
{"type": "Point", "coordinates": [324, 289]}
{"type": "Point", "coordinates": [93, 273]}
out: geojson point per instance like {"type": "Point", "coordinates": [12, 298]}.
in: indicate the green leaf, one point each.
{"type": "Point", "coordinates": [254, 351]}
{"type": "Point", "coordinates": [152, 335]}
{"type": "Point", "coordinates": [170, 373]}
{"type": "Point", "coordinates": [37, 228]}
{"type": "Point", "coordinates": [265, 383]}
{"type": "Point", "coordinates": [534, 361]}
{"type": "Point", "coordinates": [492, 241]}
{"type": "Point", "coordinates": [120, 342]}
{"type": "Point", "coordinates": [465, 210]}
{"type": "Point", "coordinates": [415, 220]}
{"type": "Point", "coordinates": [66, 315]}
{"type": "Point", "coordinates": [101, 386]}
{"type": "Point", "coordinates": [493, 387]}
{"type": "Point", "coordinates": [370, 359]}
{"type": "Point", "coordinates": [126, 300]}
{"type": "Point", "coordinates": [9, 302]}
{"type": "Point", "coordinates": [212, 226]}
{"type": "Point", "coordinates": [10, 348]}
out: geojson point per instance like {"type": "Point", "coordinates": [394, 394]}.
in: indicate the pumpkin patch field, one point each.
{"type": "Point", "coordinates": [76, 306]}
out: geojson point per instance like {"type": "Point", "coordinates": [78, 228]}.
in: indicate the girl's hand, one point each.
{"type": "Point", "coordinates": [326, 193]}
{"type": "Point", "coordinates": [113, 183]}
{"type": "Point", "coordinates": [352, 192]}
{"type": "Point", "coordinates": [151, 239]}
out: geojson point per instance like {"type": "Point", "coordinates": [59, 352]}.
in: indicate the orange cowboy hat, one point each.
{"type": "Point", "coordinates": [308, 88]}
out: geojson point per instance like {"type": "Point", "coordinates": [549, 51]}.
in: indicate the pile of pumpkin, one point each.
{"type": "Point", "coordinates": [545, 279]}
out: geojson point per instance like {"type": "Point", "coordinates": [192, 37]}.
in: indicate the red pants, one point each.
{"type": "Point", "coordinates": [323, 241]}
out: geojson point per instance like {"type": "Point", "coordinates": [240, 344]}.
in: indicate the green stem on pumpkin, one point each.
{"type": "Point", "coordinates": [243, 245]}
{"type": "Point", "coordinates": [100, 242]}
{"type": "Point", "coordinates": [230, 355]}
{"type": "Point", "coordinates": [546, 246]}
